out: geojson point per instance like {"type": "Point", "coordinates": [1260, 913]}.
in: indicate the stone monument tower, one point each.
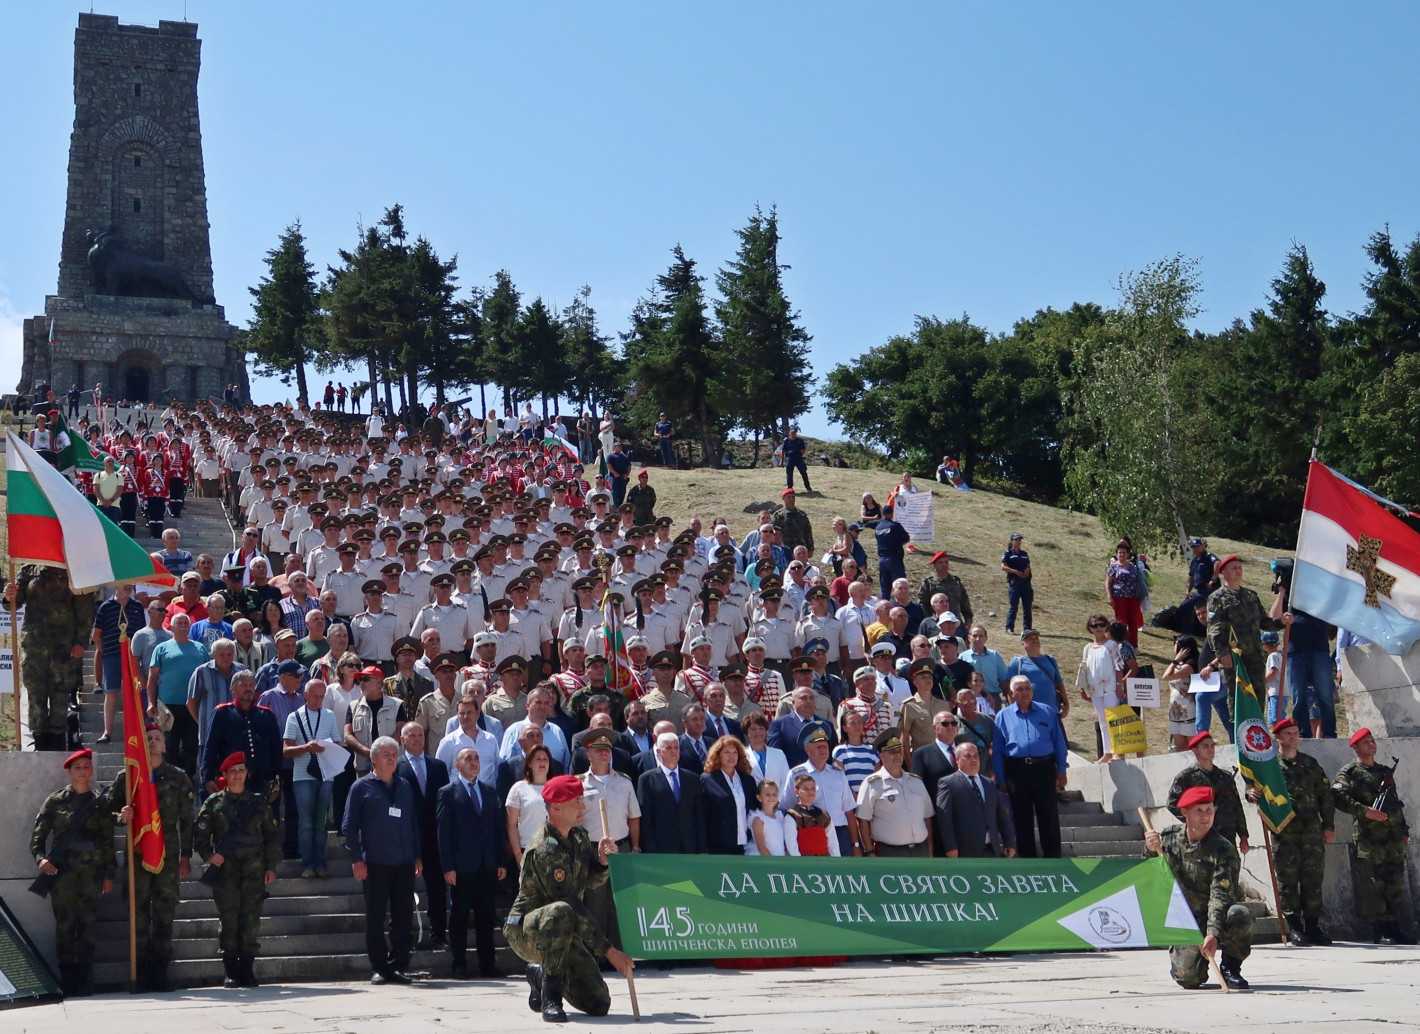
{"type": "Point", "coordinates": [134, 309]}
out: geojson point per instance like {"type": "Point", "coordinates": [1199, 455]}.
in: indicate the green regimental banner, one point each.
{"type": "Point", "coordinates": [710, 906]}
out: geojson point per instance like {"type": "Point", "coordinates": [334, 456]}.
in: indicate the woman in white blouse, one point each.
{"type": "Point", "coordinates": [765, 762]}
{"type": "Point", "coordinates": [527, 811]}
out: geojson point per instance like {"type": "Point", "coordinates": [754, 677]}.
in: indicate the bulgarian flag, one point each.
{"type": "Point", "coordinates": [147, 828]}
{"type": "Point", "coordinates": [618, 676]}
{"type": "Point", "coordinates": [554, 444]}
{"type": "Point", "coordinates": [50, 523]}
{"type": "Point", "coordinates": [1257, 752]}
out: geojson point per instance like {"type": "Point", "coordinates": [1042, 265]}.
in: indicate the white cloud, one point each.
{"type": "Point", "coordinates": [11, 343]}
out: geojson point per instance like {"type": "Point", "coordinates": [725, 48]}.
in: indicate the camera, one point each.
{"type": "Point", "coordinates": [1282, 575]}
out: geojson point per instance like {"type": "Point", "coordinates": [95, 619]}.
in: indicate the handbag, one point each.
{"type": "Point", "coordinates": [1126, 730]}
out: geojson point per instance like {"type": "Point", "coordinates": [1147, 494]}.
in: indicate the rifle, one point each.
{"type": "Point", "coordinates": [64, 845]}
{"type": "Point", "coordinates": [248, 812]}
{"type": "Point", "coordinates": [1385, 799]}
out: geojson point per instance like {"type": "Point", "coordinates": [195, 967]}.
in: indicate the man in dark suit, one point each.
{"type": "Point", "coordinates": [935, 761]}
{"type": "Point", "coordinates": [784, 732]}
{"type": "Point", "coordinates": [672, 810]}
{"type": "Point", "coordinates": [427, 776]}
{"type": "Point", "coordinates": [473, 837]}
{"type": "Point", "coordinates": [510, 771]}
{"type": "Point", "coordinates": [973, 816]}
{"type": "Point", "coordinates": [637, 736]}
{"type": "Point", "coordinates": [717, 723]}
{"type": "Point", "coordinates": [729, 797]}
{"type": "Point", "coordinates": [696, 740]}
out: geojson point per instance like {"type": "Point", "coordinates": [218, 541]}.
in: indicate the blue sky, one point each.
{"type": "Point", "coordinates": [926, 158]}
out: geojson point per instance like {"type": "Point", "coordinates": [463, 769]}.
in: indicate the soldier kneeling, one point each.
{"type": "Point", "coordinates": [550, 926]}
{"type": "Point", "coordinates": [1206, 868]}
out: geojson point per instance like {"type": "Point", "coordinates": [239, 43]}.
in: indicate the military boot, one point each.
{"type": "Point", "coordinates": [246, 971]}
{"type": "Point", "coordinates": [534, 974]}
{"type": "Point", "coordinates": [1315, 933]}
{"type": "Point", "coordinates": [230, 968]}
{"type": "Point", "coordinates": [83, 980]}
{"type": "Point", "coordinates": [66, 979]}
{"type": "Point", "coordinates": [1383, 934]}
{"type": "Point", "coordinates": [1295, 934]}
{"type": "Point", "coordinates": [1400, 932]}
{"type": "Point", "coordinates": [552, 1000]}
{"type": "Point", "coordinates": [1231, 969]}
{"type": "Point", "coordinates": [158, 980]}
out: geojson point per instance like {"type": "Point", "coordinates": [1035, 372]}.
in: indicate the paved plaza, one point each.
{"type": "Point", "coordinates": [1357, 989]}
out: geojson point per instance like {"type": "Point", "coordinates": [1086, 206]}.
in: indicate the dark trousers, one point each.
{"type": "Point", "coordinates": [128, 513]}
{"type": "Point", "coordinates": [389, 890]}
{"type": "Point", "coordinates": [791, 465]}
{"type": "Point", "coordinates": [890, 569]}
{"type": "Point", "coordinates": [667, 453]}
{"type": "Point", "coordinates": [1020, 594]}
{"type": "Point", "coordinates": [436, 891]}
{"type": "Point", "coordinates": [339, 791]}
{"type": "Point", "coordinates": [291, 836]}
{"type": "Point", "coordinates": [618, 490]}
{"type": "Point", "coordinates": [156, 507]}
{"type": "Point", "coordinates": [845, 841]}
{"type": "Point", "coordinates": [474, 890]}
{"type": "Point", "coordinates": [182, 740]}
{"type": "Point", "coordinates": [1033, 802]}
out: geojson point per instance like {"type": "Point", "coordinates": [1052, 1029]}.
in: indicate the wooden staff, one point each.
{"type": "Point", "coordinates": [630, 978]}
{"type": "Point", "coordinates": [15, 658]}
{"type": "Point", "coordinates": [1212, 963]}
{"type": "Point", "coordinates": [1276, 895]}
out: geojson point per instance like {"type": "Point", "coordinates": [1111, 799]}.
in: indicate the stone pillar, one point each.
{"type": "Point", "coordinates": [209, 382]}
{"type": "Point", "coordinates": [63, 372]}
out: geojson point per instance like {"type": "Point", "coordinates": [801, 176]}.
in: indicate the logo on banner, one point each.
{"type": "Point", "coordinates": [1255, 741]}
{"type": "Point", "coordinates": [1109, 925]}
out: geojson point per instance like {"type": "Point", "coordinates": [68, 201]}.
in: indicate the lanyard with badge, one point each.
{"type": "Point", "coordinates": [312, 762]}
{"type": "Point", "coordinates": [394, 811]}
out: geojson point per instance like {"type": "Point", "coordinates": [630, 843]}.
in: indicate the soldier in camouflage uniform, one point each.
{"type": "Point", "coordinates": [58, 626]}
{"type": "Point", "coordinates": [949, 585]}
{"type": "Point", "coordinates": [1228, 819]}
{"type": "Point", "coordinates": [1299, 850]}
{"type": "Point", "coordinates": [550, 927]}
{"type": "Point", "coordinates": [1236, 621]}
{"type": "Point", "coordinates": [1206, 868]}
{"type": "Point", "coordinates": [82, 864]}
{"type": "Point", "coordinates": [245, 860]}
{"type": "Point", "coordinates": [157, 893]}
{"type": "Point", "coordinates": [1382, 836]}
{"type": "Point", "coordinates": [794, 524]}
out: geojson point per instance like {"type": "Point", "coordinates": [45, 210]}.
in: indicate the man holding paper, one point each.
{"type": "Point", "coordinates": [309, 730]}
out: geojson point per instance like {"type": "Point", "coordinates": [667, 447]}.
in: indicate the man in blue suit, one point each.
{"type": "Point", "coordinates": [472, 844]}
{"type": "Point", "coordinates": [427, 776]}
{"type": "Point", "coordinates": [785, 732]}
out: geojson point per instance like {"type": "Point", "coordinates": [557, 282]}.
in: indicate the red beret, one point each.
{"type": "Point", "coordinates": [232, 760]}
{"type": "Point", "coordinates": [152, 727]}
{"type": "Point", "coordinates": [1285, 723]}
{"type": "Point", "coordinates": [643, 473]}
{"type": "Point", "coordinates": [371, 671]}
{"type": "Point", "coordinates": [1226, 561]}
{"type": "Point", "coordinates": [1195, 795]}
{"type": "Point", "coordinates": [787, 491]}
{"type": "Point", "coordinates": [561, 789]}
{"type": "Point", "coordinates": [1358, 736]}
{"type": "Point", "coordinates": [939, 555]}
{"type": "Point", "coordinates": [1199, 738]}
{"type": "Point", "coordinates": [78, 755]}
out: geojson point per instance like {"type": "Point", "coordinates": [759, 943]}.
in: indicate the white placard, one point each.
{"type": "Point", "coordinates": [7, 647]}
{"type": "Point", "coordinates": [1143, 692]}
{"type": "Point", "coordinates": [916, 512]}
{"type": "Point", "coordinates": [1209, 685]}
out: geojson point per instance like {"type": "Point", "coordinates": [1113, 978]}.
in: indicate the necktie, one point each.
{"type": "Point", "coordinates": [976, 785]}
{"type": "Point", "coordinates": [675, 784]}
{"type": "Point", "coordinates": [477, 797]}
{"type": "Point", "coordinates": [719, 727]}
{"type": "Point", "coordinates": [419, 774]}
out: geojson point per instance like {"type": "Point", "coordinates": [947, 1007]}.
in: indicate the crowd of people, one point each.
{"type": "Point", "coordinates": [473, 618]}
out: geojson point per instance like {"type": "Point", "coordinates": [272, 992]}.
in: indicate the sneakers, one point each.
{"type": "Point", "coordinates": [308, 874]}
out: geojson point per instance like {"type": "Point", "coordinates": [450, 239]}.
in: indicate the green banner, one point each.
{"type": "Point", "coordinates": [711, 906]}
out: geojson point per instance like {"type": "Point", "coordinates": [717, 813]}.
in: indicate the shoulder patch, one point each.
{"type": "Point", "coordinates": [559, 875]}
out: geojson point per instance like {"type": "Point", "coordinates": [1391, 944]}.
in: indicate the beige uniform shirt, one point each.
{"type": "Point", "coordinates": [621, 804]}
{"type": "Point", "coordinates": [898, 808]}
{"type": "Point", "coordinates": [433, 718]}
{"type": "Point", "coordinates": [661, 708]}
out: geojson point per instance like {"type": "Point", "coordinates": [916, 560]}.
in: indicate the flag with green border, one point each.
{"type": "Point", "coordinates": [1257, 752]}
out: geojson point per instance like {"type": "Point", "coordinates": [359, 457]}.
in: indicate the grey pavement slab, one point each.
{"type": "Point", "coordinates": [1295, 990]}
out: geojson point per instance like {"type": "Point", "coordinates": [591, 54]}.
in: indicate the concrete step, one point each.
{"type": "Point", "coordinates": [1133, 848]}
{"type": "Point", "coordinates": [208, 928]}
{"type": "Point", "coordinates": [1101, 818]}
{"type": "Point", "coordinates": [291, 969]}
{"type": "Point", "coordinates": [308, 944]}
{"type": "Point", "coordinates": [1097, 834]}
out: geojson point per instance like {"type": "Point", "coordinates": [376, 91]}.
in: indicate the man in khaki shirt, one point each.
{"type": "Point", "coordinates": [663, 701]}
{"type": "Point", "coordinates": [436, 707]}
{"type": "Point", "coordinates": [894, 810]}
{"type": "Point", "coordinates": [738, 705]}
{"type": "Point", "coordinates": [623, 815]}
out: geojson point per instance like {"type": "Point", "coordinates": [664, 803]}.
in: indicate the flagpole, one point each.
{"type": "Point", "coordinates": [131, 784]}
{"type": "Point", "coordinates": [15, 657]}
{"type": "Point", "coordinates": [1276, 894]}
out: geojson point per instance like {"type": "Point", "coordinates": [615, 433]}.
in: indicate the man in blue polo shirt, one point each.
{"type": "Point", "coordinates": [1028, 760]}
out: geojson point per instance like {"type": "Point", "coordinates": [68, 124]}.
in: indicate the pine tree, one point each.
{"type": "Point", "coordinates": [501, 309]}
{"type": "Point", "coordinates": [767, 376]}
{"type": "Point", "coordinates": [285, 313]}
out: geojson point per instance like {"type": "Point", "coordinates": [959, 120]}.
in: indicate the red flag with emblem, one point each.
{"type": "Point", "coordinates": [142, 791]}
